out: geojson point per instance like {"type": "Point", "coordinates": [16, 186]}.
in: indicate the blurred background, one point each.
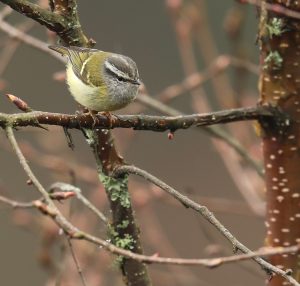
{"type": "Point", "coordinates": [193, 56]}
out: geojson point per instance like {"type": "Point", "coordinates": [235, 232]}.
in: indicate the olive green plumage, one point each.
{"type": "Point", "coordinates": [101, 81]}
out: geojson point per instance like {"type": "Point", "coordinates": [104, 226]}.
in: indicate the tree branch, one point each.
{"type": "Point", "coordinates": [165, 109]}
{"type": "Point", "coordinates": [101, 141]}
{"type": "Point", "coordinates": [45, 17]}
{"type": "Point", "coordinates": [213, 131]}
{"type": "Point", "coordinates": [76, 262]}
{"type": "Point", "coordinates": [70, 188]}
{"type": "Point", "coordinates": [209, 216]}
{"type": "Point", "coordinates": [276, 8]}
{"type": "Point", "coordinates": [51, 210]}
{"type": "Point", "coordinates": [210, 263]}
{"type": "Point", "coordinates": [137, 122]}
{"type": "Point", "coordinates": [18, 34]}
{"type": "Point", "coordinates": [16, 204]}
{"type": "Point", "coordinates": [66, 24]}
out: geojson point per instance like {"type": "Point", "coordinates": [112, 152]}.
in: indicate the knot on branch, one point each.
{"type": "Point", "coordinates": [277, 124]}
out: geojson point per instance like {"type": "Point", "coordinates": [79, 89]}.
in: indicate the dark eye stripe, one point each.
{"type": "Point", "coordinates": [120, 78]}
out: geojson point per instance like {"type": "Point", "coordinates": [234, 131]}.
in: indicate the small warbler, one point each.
{"type": "Point", "coordinates": [100, 81]}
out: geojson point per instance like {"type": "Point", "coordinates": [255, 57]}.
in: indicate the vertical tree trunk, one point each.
{"type": "Point", "coordinates": [279, 38]}
{"type": "Point", "coordinates": [124, 230]}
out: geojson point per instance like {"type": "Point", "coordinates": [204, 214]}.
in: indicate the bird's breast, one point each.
{"type": "Point", "coordinates": [92, 97]}
{"type": "Point", "coordinates": [98, 98]}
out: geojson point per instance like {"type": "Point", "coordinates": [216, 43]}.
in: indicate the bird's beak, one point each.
{"type": "Point", "coordinates": [137, 82]}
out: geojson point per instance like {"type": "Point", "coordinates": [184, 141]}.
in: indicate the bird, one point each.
{"type": "Point", "coordinates": [100, 81]}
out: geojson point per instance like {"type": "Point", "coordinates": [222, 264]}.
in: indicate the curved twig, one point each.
{"type": "Point", "coordinates": [209, 216]}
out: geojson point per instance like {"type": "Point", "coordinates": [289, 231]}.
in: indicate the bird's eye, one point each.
{"type": "Point", "coordinates": [120, 78]}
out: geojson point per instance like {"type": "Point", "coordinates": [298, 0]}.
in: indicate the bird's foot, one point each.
{"type": "Point", "coordinates": [93, 114]}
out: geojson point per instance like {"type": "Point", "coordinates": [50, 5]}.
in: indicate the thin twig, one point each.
{"type": "Point", "coordinates": [32, 204]}
{"type": "Point", "coordinates": [213, 131]}
{"type": "Point", "coordinates": [17, 204]}
{"type": "Point", "coordinates": [193, 81]}
{"type": "Point", "coordinates": [80, 197]}
{"type": "Point", "coordinates": [221, 205]}
{"type": "Point", "coordinates": [79, 270]}
{"type": "Point", "coordinates": [241, 63]}
{"type": "Point", "coordinates": [74, 233]}
{"type": "Point", "coordinates": [214, 262]}
{"type": "Point", "coordinates": [276, 8]}
{"type": "Point", "coordinates": [28, 171]}
{"type": "Point", "coordinates": [70, 32]}
{"type": "Point", "coordinates": [12, 44]}
{"type": "Point", "coordinates": [199, 30]}
{"type": "Point", "coordinates": [157, 105]}
{"type": "Point", "coordinates": [6, 11]}
{"type": "Point", "coordinates": [15, 33]}
{"type": "Point", "coordinates": [209, 216]}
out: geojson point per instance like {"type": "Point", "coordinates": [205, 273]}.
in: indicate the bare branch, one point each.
{"type": "Point", "coordinates": [66, 25]}
{"type": "Point", "coordinates": [211, 263]}
{"type": "Point", "coordinates": [16, 204]}
{"type": "Point", "coordinates": [67, 187]}
{"type": "Point", "coordinates": [213, 131]}
{"type": "Point", "coordinates": [15, 33]}
{"type": "Point", "coordinates": [44, 17]}
{"type": "Point", "coordinates": [157, 105]}
{"type": "Point", "coordinates": [103, 147]}
{"type": "Point", "coordinates": [76, 262]}
{"type": "Point", "coordinates": [193, 81]}
{"type": "Point", "coordinates": [276, 8]}
{"type": "Point", "coordinates": [137, 122]}
{"type": "Point", "coordinates": [46, 196]}
{"type": "Point", "coordinates": [209, 216]}
{"type": "Point", "coordinates": [74, 233]}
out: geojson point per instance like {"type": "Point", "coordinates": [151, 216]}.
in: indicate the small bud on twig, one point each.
{"type": "Point", "coordinates": [171, 135]}
{"type": "Point", "coordinates": [18, 102]}
{"type": "Point", "coordinates": [46, 210]}
{"type": "Point", "coordinates": [61, 195]}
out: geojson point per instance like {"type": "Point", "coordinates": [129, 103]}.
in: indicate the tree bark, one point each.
{"type": "Point", "coordinates": [279, 38]}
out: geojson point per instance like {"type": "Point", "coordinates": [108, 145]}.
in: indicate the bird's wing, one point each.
{"type": "Point", "coordinates": [79, 58]}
